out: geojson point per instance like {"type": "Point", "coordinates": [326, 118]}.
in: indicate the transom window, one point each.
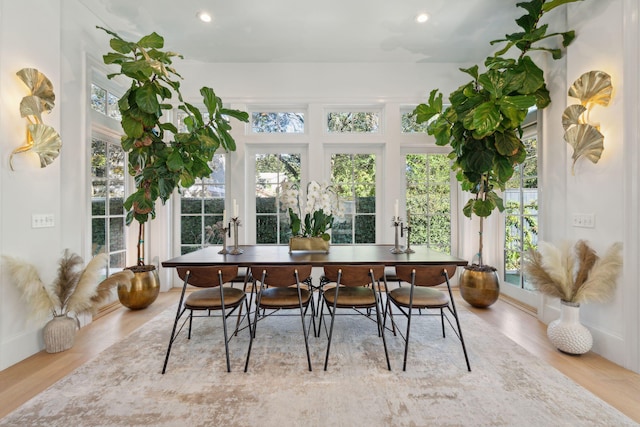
{"type": "Point", "coordinates": [104, 102]}
{"type": "Point", "coordinates": [353, 121]}
{"type": "Point", "coordinates": [277, 122]}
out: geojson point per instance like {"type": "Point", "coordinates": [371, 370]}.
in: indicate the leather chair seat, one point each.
{"type": "Point", "coordinates": [422, 297]}
{"type": "Point", "coordinates": [283, 298]}
{"type": "Point", "coordinates": [351, 297]}
{"type": "Point", "coordinates": [210, 298]}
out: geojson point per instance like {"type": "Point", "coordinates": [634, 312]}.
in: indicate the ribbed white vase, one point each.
{"type": "Point", "coordinates": [567, 333]}
{"type": "Point", "coordinates": [59, 334]}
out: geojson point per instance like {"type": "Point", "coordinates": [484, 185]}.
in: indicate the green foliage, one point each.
{"type": "Point", "coordinates": [160, 158]}
{"type": "Point", "coordinates": [483, 123]}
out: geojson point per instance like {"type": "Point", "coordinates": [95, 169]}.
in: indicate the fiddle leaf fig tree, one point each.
{"type": "Point", "coordinates": [483, 121]}
{"type": "Point", "coordinates": [160, 158]}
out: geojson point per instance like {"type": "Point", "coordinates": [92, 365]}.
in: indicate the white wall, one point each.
{"type": "Point", "coordinates": [599, 188]}
{"type": "Point", "coordinates": [29, 37]}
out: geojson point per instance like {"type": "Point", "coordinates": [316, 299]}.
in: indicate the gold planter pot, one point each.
{"type": "Point", "coordinates": [480, 288]}
{"type": "Point", "coordinates": [308, 244]}
{"type": "Point", "coordinates": [143, 288]}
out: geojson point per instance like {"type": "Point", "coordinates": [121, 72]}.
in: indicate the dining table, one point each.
{"type": "Point", "coordinates": [338, 254]}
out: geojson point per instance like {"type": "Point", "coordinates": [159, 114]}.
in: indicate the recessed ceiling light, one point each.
{"type": "Point", "coordinates": [422, 18]}
{"type": "Point", "coordinates": [204, 16]}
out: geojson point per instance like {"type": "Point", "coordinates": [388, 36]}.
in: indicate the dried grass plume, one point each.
{"type": "Point", "coordinates": [76, 289]}
{"type": "Point", "coordinates": [574, 273]}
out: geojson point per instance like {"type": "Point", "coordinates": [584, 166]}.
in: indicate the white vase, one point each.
{"type": "Point", "coordinates": [567, 333]}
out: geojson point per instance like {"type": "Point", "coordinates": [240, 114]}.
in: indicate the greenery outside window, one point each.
{"type": "Point", "coordinates": [108, 233]}
{"type": "Point", "coordinates": [201, 207]}
{"type": "Point", "coordinates": [277, 122]}
{"type": "Point", "coordinates": [521, 212]}
{"type": "Point", "coordinates": [272, 223]}
{"type": "Point", "coordinates": [104, 102]}
{"type": "Point", "coordinates": [428, 199]}
{"type": "Point", "coordinates": [354, 178]}
{"type": "Point", "coordinates": [353, 121]}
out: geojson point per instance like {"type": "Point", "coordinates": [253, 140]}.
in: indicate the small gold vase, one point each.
{"type": "Point", "coordinates": [143, 288]}
{"type": "Point", "coordinates": [308, 244]}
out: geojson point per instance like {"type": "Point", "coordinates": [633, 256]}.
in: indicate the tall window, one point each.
{"type": "Point", "coordinates": [428, 196]}
{"type": "Point", "coordinates": [354, 177]}
{"type": "Point", "coordinates": [107, 197]}
{"type": "Point", "coordinates": [201, 207]}
{"type": "Point", "coordinates": [272, 224]}
{"type": "Point", "coordinates": [521, 212]}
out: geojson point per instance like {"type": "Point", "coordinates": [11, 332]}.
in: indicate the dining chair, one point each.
{"type": "Point", "coordinates": [356, 287]}
{"type": "Point", "coordinates": [421, 296]}
{"type": "Point", "coordinates": [281, 288]}
{"type": "Point", "coordinates": [213, 297]}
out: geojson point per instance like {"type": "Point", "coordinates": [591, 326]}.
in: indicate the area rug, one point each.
{"type": "Point", "coordinates": [123, 386]}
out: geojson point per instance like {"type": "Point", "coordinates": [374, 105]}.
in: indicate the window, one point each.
{"type": "Point", "coordinates": [521, 212]}
{"type": "Point", "coordinates": [354, 178]}
{"type": "Point", "coordinates": [270, 171]}
{"type": "Point", "coordinates": [428, 199]}
{"type": "Point", "coordinates": [201, 207]}
{"type": "Point", "coordinates": [107, 198]}
{"type": "Point", "coordinates": [353, 121]}
{"type": "Point", "coordinates": [277, 122]}
{"type": "Point", "coordinates": [409, 124]}
{"type": "Point", "coordinates": [104, 102]}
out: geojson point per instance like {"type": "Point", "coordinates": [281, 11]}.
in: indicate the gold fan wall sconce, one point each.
{"type": "Point", "coordinates": [42, 139]}
{"type": "Point", "coordinates": [591, 88]}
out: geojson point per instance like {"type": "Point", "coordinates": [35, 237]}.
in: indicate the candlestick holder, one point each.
{"type": "Point", "coordinates": [408, 249]}
{"type": "Point", "coordinates": [235, 222]}
{"type": "Point", "coordinates": [396, 222]}
{"type": "Point", "coordinates": [224, 250]}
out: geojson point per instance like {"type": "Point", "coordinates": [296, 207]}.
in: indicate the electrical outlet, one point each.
{"type": "Point", "coordinates": [42, 220]}
{"type": "Point", "coordinates": [584, 220]}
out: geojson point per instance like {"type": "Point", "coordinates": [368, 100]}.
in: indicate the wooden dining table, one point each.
{"type": "Point", "coordinates": [338, 254]}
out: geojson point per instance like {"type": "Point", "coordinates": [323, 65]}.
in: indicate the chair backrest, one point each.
{"type": "Point", "coordinates": [426, 275]}
{"type": "Point", "coordinates": [207, 277]}
{"type": "Point", "coordinates": [280, 275]}
{"type": "Point", "coordinates": [353, 275]}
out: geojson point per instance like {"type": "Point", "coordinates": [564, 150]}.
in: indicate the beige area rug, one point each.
{"type": "Point", "coordinates": [123, 386]}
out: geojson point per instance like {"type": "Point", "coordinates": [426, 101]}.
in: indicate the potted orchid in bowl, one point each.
{"type": "Point", "coordinates": [311, 220]}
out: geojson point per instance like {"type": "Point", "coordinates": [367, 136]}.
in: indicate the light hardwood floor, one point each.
{"type": "Point", "coordinates": [613, 384]}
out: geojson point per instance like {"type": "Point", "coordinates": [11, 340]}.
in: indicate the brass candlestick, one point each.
{"type": "Point", "coordinates": [225, 230]}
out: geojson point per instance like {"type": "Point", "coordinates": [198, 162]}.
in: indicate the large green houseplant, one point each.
{"type": "Point", "coordinates": [160, 157]}
{"type": "Point", "coordinates": [483, 121]}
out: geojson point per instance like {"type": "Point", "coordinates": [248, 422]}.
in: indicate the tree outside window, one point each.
{"type": "Point", "coordinates": [428, 199]}
{"type": "Point", "coordinates": [354, 178]}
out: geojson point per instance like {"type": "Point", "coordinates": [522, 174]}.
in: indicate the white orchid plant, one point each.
{"type": "Point", "coordinates": [321, 207]}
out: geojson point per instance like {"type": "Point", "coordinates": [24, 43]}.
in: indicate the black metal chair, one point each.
{"type": "Point", "coordinates": [215, 297]}
{"type": "Point", "coordinates": [356, 287]}
{"type": "Point", "coordinates": [420, 295]}
{"type": "Point", "coordinates": [280, 289]}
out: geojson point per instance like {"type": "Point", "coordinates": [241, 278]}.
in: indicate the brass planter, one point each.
{"type": "Point", "coordinates": [479, 287]}
{"type": "Point", "coordinates": [308, 244]}
{"type": "Point", "coordinates": [143, 289]}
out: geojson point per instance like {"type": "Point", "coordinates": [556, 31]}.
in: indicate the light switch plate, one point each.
{"type": "Point", "coordinates": [584, 220]}
{"type": "Point", "coordinates": [42, 220]}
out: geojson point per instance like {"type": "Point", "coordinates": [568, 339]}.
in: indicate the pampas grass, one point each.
{"type": "Point", "coordinates": [574, 274]}
{"type": "Point", "coordinates": [76, 288]}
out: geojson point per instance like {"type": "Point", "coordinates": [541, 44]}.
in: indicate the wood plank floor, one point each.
{"type": "Point", "coordinates": [613, 384]}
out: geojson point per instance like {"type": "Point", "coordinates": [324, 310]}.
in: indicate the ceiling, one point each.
{"type": "Point", "coordinates": [379, 31]}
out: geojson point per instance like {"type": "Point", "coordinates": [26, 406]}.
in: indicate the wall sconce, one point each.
{"type": "Point", "coordinates": [41, 139]}
{"type": "Point", "coordinates": [593, 87]}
